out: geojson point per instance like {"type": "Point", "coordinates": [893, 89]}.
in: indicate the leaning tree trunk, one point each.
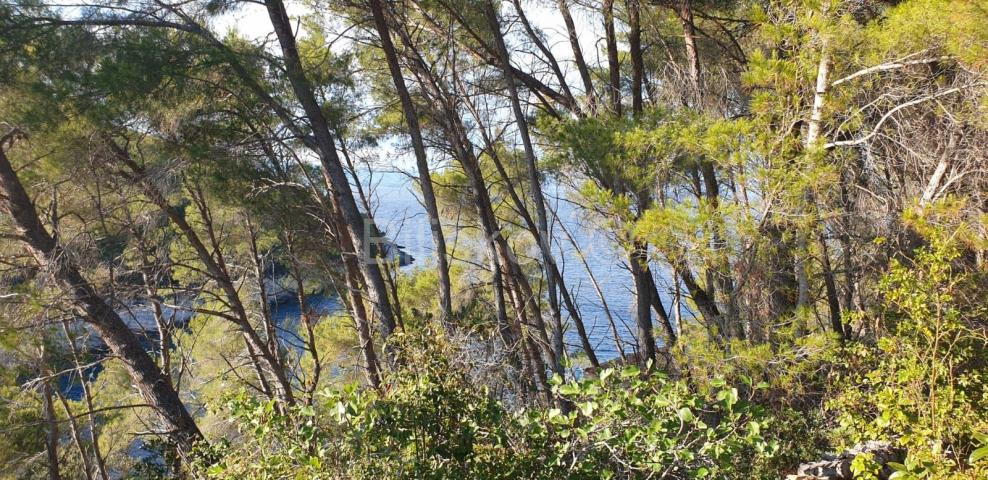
{"type": "Point", "coordinates": [422, 162]}
{"type": "Point", "coordinates": [535, 184]}
{"type": "Point", "coordinates": [215, 266]}
{"type": "Point", "coordinates": [156, 390]}
{"type": "Point", "coordinates": [581, 63]}
{"type": "Point", "coordinates": [326, 145]}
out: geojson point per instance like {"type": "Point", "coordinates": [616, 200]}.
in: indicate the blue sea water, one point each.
{"type": "Point", "coordinates": [399, 212]}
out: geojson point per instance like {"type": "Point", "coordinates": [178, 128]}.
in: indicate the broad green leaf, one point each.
{"type": "Point", "coordinates": [978, 454]}
{"type": "Point", "coordinates": [685, 414]}
{"type": "Point", "coordinates": [631, 371]}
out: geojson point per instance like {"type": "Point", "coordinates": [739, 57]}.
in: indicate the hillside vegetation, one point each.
{"type": "Point", "coordinates": [195, 281]}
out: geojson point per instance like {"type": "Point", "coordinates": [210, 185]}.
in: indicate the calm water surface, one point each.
{"type": "Point", "coordinates": [398, 210]}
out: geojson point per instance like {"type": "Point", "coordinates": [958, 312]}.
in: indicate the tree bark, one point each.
{"type": "Point", "coordinates": [215, 266]}
{"type": "Point", "coordinates": [552, 268]}
{"type": "Point", "coordinates": [90, 407]}
{"type": "Point", "coordinates": [695, 95]}
{"type": "Point", "coordinates": [421, 160]}
{"type": "Point", "coordinates": [813, 133]}
{"type": "Point", "coordinates": [660, 310]}
{"type": "Point", "coordinates": [87, 463]}
{"type": "Point", "coordinates": [637, 262]}
{"type": "Point", "coordinates": [550, 58]}
{"type": "Point", "coordinates": [613, 65]}
{"type": "Point", "coordinates": [637, 62]}
{"type": "Point", "coordinates": [581, 63]}
{"type": "Point", "coordinates": [535, 185]}
{"type": "Point", "coordinates": [153, 386]}
{"type": "Point", "coordinates": [51, 431]}
{"type": "Point", "coordinates": [341, 194]}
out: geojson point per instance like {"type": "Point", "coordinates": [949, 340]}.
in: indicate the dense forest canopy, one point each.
{"type": "Point", "coordinates": [193, 283]}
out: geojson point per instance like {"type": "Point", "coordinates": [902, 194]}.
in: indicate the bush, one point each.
{"type": "Point", "coordinates": [924, 386]}
{"type": "Point", "coordinates": [626, 425]}
{"type": "Point", "coordinates": [429, 422]}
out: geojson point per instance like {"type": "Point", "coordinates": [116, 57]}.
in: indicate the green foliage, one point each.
{"type": "Point", "coordinates": [924, 385]}
{"type": "Point", "coordinates": [626, 425]}
{"type": "Point", "coordinates": [622, 157]}
{"type": "Point", "coordinates": [429, 421]}
{"type": "Point", "coordinates": [22, 444]}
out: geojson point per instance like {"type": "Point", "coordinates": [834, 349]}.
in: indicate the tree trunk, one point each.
{"type": "Point", "coordinates": [341, 194]}
{"type": "Point", "coordinates": [352, 276]}
{"type": "Point", "coordinates": [550, 58]}
{"type": "Point", "coordinates": [637, 262]}
{"type": "Point", "coordinates": [270, 329]}
{"type": "Point", "coordinates": [581, 63]}
{"type": "Point", "coordinates": [659, 308]}
{"type": "Point", "coordinates": [153, 386]}
{"type": "Point", "coordinates": [87, 463]}
{"type": "Point", "coordinates": [215, 266]}
{"type": "Point", "coordinates": [813, 133]}
{"type": "Point", "coordinates": [51, 431]}
{"type": "Point", "coordinates": [637, 63]}
{"type": "Point", "coordinates": [422, 162]}
{"type": "Point", "coordinates": [515, 283]}
{"type": "Point", "coordinates": [833, 303]}
{"type": "Point", "coordinates": [701, 298]}
{"type": "Point", "coordinates": [552, 268]}
{"type": "Point", "coordinates": [535, 185]}
{"type": "Point", "coordinates": [695, 95]}
{"type": "Point", "coordinates": [90, 407]}
{"type": "Point", "coordinates": [613, 66]}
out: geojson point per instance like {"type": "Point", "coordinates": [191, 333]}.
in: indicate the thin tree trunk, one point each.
{"type": "Point", "coordinates": [638, 263]}
{"type": "Point", "coordinates": [552, 267]}
{"type": "Point", "coordinates": [270, 329]}
{"type": "Point", "coordinates": [814, 126]}
{"type": "Point", "coordinates": [703, 301]}
{"type": "Point", "coordinates": [515, 284]}
{"type": "Point", "coordinates": [618, 343]}
{"type": "Point", "coordinates": [377, 253]}
{"type": "Point", "coordinates": [421, 160]}
{"type": "Point", "coordinates": [550, 58]}
{"type": "Point", "coordinates": [831, 287]}
{"type": "Point", "coordinates": [535, 185]}
{"type": "Point", "coordinates": [613, 65]}
{"type": "Point", "coordinates": [813, 133]}
{"type": "Point", "coordinates": [215, 266]}
{"type": "Point", "coordinates": [637, 63]}
{"type": "Point", "coordinates": [360, 314]}
{"type": "Point", "coordinates": [695, 96]}
{"type": "Point", "coordinates": [90, 407]}
{"type": "Point", "coordinates": [660, 309]}
{"type": "Point", "coordinates": [51, 431]}
{"type": "Point", "coordinates": [87, 463]}
{"type": "Point", "coordinates": [266, 349]}
{"type": "Point", "coordinates": [305, 317]}
{"type": "Point", "coordinates": [581, 63]}
{"type": "Point", "coordinates": [153, 386]}
{"type": "Point", "coordinates": [342, 196]}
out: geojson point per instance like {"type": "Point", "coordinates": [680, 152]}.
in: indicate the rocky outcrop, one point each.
{"type": "Point", "coordinates": [839, 466]}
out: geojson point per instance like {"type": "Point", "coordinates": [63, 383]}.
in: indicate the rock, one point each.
{"type": "Point", "coordinates": [839, 467]}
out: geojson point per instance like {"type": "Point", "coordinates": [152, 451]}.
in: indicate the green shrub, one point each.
{"type": "Point", "coordinates": [428, 421]}
{"type": "Point", "coordinates": [923, 386]}
{"type": "Point", "coordinates": [625, 425]}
